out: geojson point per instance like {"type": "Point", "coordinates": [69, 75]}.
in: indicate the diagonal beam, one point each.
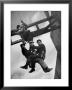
{"type": "Point", "coordinates": [40, 21]}
{"type": "Point", "coordinates": [37, 33]}
{"type": "Point", "coordinates": [14, 32]}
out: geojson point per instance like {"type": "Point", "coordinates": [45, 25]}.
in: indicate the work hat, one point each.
{"type": "Point", "coordinates": [18, 26]}
{"type": "Point", "coordinates": [31, 42]}
{"type": "Point", "coordinates": [38, 40]}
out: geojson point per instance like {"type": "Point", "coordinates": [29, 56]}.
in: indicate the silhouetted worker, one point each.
{"type": "Point", "coordinates": [28, 54]}
{"type": "Point", "coordinates": [25, 34]}
{"type": "Point", "coordinates": [40, 56]}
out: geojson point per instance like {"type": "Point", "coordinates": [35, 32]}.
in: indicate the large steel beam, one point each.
{"type": "Point", "coordinates": [33, 24]}
{"type": "Point", "coordinates": [37, 33]}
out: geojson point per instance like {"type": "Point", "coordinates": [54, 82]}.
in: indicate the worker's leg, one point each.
{"type": "Point", "coordinates": [32, 67]}
{"type": "Point", "coordinates": [32, 63]}
{"type": "Point", "coordinates": [43, 65]}
{"type": "Point", "coordinates": [26, 53]}
{"type": "Point", "coordinates": [41, 62]}
{"type": "Point", "coordinates": [28, 62]}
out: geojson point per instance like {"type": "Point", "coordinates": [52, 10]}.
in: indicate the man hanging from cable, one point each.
{"type": "Point", "coordinates": [36, 54]}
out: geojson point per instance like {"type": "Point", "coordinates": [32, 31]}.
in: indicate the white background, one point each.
{"type": "Point", "coordinates": [64, 43]}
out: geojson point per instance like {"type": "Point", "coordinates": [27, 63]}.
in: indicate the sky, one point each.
{"type": "Point", "coordinates": [17, 59]}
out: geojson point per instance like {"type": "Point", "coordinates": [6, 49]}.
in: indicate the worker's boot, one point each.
{"type": "Point", "coordinates": [47, 69]}
{"type": "Point", "coordinates": [32, 70]}
{"type": "Point", "coordinates": [24, 67]}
